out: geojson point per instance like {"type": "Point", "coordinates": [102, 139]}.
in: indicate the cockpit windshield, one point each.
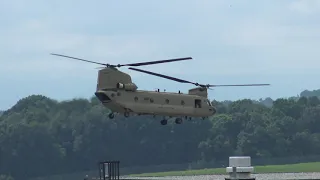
{"type": "Point", "coordinates": [208, 102]}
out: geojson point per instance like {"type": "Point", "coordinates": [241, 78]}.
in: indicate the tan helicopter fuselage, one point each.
{"type": "Point", "coordinates": [116, 91]}
{"type": "Point", "coordinates": [156, 103]}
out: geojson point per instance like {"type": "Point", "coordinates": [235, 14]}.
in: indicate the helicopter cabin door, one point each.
{"type": "Point", "coordinates": [198, 105]}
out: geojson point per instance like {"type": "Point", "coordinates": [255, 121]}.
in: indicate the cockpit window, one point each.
{"type": "Point", "coordinates": [208, 102]}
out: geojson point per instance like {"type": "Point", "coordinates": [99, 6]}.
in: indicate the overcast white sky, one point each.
{"type": "Point", "coordinates": [231, 42]}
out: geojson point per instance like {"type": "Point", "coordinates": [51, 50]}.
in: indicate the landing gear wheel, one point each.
{"type": "Point", "coordinates": [111, 115]}
{"type": "Point", "coordinates": [178, 121]}
{"type": "Point", "coordinates": [164, 122]}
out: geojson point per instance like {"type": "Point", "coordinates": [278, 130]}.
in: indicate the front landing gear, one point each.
{"type": "Point", "coordinates": [164, 122]}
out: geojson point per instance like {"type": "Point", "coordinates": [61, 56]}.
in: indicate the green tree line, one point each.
{"type": "Point", "coordinates": [40, 136]}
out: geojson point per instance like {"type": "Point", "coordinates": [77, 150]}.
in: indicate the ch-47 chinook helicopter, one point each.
{"type": "Point", "coordinates": [117, 92]}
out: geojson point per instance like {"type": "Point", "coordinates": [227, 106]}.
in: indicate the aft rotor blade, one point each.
{"type": "Point", "coordinates": [197, 84]}
{"type": "Point", "coordinates": [164, 76]}
{"type": "Point", "coordinates": [156, 62]}
{"type": "Point", "coordinates": [80, 59]}
{"type": "Point", "coordinates": [238, 85]}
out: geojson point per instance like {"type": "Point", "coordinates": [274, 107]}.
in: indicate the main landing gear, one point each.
{"type": "Point", "coordinates": [111, 115]}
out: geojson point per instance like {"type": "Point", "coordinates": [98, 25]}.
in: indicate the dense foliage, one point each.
{"type": "Point", "coordinates": [40, 136]}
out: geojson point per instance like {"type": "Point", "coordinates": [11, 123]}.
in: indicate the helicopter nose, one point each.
{"type": "Point", "coordinates": [212, 110]}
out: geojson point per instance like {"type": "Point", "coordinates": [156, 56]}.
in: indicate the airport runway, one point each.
{"type": "Point", "coordinates": [271, 176]}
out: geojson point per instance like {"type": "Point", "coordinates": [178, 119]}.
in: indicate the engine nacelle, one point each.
{"type": "Point", "coordinates": [127, 87]}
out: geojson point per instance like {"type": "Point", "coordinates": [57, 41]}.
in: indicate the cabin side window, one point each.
{"type": "Point", "coordinates": [197, 103]}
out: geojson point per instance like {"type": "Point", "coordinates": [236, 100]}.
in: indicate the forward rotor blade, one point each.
{"type": "Point", "coordinates": [79, 59]}
{"type": "Point", "coordinates": [164, 76]}
{"type": "Point", "coordinates": [238, 85]}
{"type": "Point", "coordinates": [156, 62]}
{"type": "Point", "coordinates": [131, 64]}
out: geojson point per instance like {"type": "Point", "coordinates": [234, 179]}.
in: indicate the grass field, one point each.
{"type": "Point", "coordinates": [301, 167]}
